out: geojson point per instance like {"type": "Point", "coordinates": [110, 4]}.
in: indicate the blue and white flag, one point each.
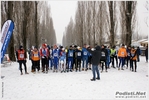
{"type": "Point", "coordinates": [6, 33]}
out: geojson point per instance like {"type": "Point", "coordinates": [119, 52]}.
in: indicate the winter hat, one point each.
{"type": "Point", "coordinates": [36, 47]}
{"type": "Point", "coordinates": [97, 47]}
{"type": "Point", "coordinates": [75, 46]}
{"type": "Point", "coordinates": [63, 48]}
{"type": "Point", "coordinates": [20, 47]}
{"type": "Point", "coordinates": [133, 47]}
{"type": "Point", "coordinates": [44, 45]}
{"type": "Point", "coordinates": [123, 45]}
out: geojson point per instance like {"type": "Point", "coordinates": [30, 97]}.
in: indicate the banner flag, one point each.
{"type": "Point", "coordinates": [6, 33]}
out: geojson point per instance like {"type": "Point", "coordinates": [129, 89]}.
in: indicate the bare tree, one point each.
{"type": "Point", "coordinates": [130, 8]}
{"type": "Point", "coordinates": [112, 38]}
{"type": "Point", "coordinates": [36, 27]}
{"type": "Point", "coordinates": [11, 44]}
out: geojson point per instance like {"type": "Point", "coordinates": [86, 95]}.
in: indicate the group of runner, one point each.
{"type": "Point", "coordinates": [76, 58]}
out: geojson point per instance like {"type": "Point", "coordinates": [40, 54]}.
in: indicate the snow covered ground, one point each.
{"type": "Point", "coordinates": [73, 85]}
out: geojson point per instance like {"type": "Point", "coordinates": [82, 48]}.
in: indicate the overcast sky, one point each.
{"type": "Point", "coordinates": [62, 11]}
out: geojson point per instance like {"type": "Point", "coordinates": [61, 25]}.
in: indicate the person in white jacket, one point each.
{"type": "Point", "coordinates": [63, 60]}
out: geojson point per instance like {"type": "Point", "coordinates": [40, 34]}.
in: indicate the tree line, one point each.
{"type": "Point", "coordinates": [102, 22]}
{"type": "Point", "coordinates": [33, 24]}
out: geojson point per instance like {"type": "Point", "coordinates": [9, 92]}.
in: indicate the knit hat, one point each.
{"type": "Point", "coordinates": [44, 45]}
{"type": "Point", "coordinates": [20, 47]}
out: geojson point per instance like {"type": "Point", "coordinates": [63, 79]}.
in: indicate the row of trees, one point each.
{"type": "Point", "coordinates": [102, 22]}
{"type": "Point", "coordinates": [33, 24]}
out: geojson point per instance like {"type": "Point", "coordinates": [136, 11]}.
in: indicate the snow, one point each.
{"type": "Point", "coordinates": [72, 85]}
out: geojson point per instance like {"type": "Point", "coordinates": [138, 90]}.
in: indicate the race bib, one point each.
{"type": "Point", "coordinates": [21, 55]}
{"type": "Point", "coordinates": [62, 57]}
{"type": "Point", "coordinates": [132, 54]}
{"type": "Point", "coordinates": [122, 53]}
{"type": "Point", "coordinates": [85, 53]}
{"type": "Point", "coordinates": [103, 54]}
{"type": "Point", "coordinates": [71, 54]}
{"type": "Point", "coordinates": [36, 55]}
{"type": "Point", "coordinates": [79, 53]}
{"type": "Point", "coordinates": [55, 55]}
{"type": "Point", "coordinates": [128, 54]}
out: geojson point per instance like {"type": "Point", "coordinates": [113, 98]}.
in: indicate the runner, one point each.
{"type": "Point", "coordinates": [21, 58]}
{"type": "Point", "coordinates": [36, 59]}
{"type": "Point", "coordinates": [103, 59]}
{"type": "Point", "coordinates": [44, 53]}
{"type": "Point", "coordinates": [122, 54]}
{"type": "Point", "coordinates": [85, 55]}
{"type": "Point", "coordinates": [133, 59]}
{"type": "Point", "coordinates": [63, 60]}
{"type": "Point", "coordinates": [55, 55]}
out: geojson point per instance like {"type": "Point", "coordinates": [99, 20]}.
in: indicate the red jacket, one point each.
{"type": "Point", "coordinates": [21, 55]}
{"type": "Point", "coordinates": [42, 52]}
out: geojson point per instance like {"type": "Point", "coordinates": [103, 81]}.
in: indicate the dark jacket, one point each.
{"type": "Point", "coordinates": [104, 54]}
{"type": "Point", "coordinates": [96, 55]}
{"type": "Point", "coordinates": [138, 51]}
{"type": "Point", "coordinates": [79, 54]}
{"type": "Point", "coordinates": [146, 51]}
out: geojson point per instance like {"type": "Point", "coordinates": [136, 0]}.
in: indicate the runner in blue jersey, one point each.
{"type": "Point", "coordinates": [70, 59]}
{"type": "Point", "coordinates": [85, 55]}
{"type": "Point", "coordinates": [55, 55]}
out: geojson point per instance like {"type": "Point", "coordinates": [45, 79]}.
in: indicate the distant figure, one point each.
{"type": "Point", "coordinates": [96, 56]}
{"type": "Point", "coordinates": [35, 59]}
{"type": "Point", "coordinates": [138, 54]}
{"type": "Point", "coordinates": [108, 57]}
{"type": "Point", "coordinates": [133, 59]}
{"type": "Point", "coordinates": [146, 53]}
{"type": "Point", "coordinates": [104, 54]}
{"type": "Point", "coordinates": [55, 55]}
{"type": "Point", "coordinates": [44, 54]}
{"type": "Point", "coordinates": [113, 56]}
{"type": "Point", "coordinates": [85, 55]}
{"type": "Point", "coordinates": [79, 57]}
{"type": "Point", "coordinates": [63, 60]}
{"type": "Point", "coordinates": [128, 55]}
{"type": "Point", "coordinates": [21, 58]}
{"type": "Point", "coordinates": [70, 58]}
{"type": "Point", "coordinates": [122, 54]}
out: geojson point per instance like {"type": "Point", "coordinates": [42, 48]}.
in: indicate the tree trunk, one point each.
{"type": "Point", "coordinates": [11, 51]}
{"type": "Point", "coordinates": [112, 39]}
{"type": "Point", "coordinates": [26, 14]}
{"type": "Point", "coordinates": [94, 19]}
{"type": "Point", "coordinates": [36, 29]}
{"type": "Point", "coordinates": [128, 22]}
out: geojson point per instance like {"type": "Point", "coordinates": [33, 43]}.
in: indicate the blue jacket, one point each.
{"type": "Point", "coordinates": [128, 52]}
{"type": "Point", "coordinates": [55, 53]}
{"type": "Point", "coordinates": [70, 53]}
{"type": "Point", "coordinates": [85, 53]}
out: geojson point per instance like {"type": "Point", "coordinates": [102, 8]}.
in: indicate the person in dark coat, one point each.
{"type": "Point", "coordinates": [138, 54]}
{"type": "Point", "coordinates": [96, 56]}
{"type": "Point", "coordinates": [104, 54]}
{"type": "Point", "coordinates": [146, 53]}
